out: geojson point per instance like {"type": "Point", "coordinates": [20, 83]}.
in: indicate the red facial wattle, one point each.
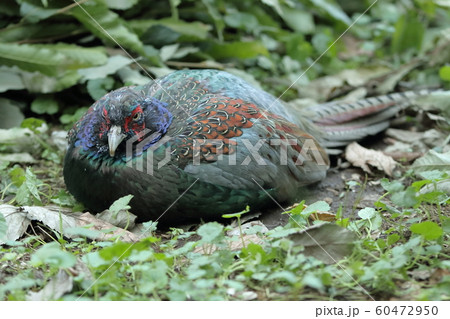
{"type": "Point", "coordinates": [136, 126]}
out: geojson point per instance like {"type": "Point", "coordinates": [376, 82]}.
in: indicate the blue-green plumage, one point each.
{"type": "Point", "coordinates": [193, 145]}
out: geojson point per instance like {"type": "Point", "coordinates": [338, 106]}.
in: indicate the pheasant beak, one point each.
{"type": "Point", "coordinates": [115, 137]}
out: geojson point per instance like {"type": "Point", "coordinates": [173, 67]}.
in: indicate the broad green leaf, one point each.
{"type": "Point", "coordinates": [45, 104]}
{"type": "Point", "coordinates": [76, 57]}
{"type": "Point", "coordinates": [333, 10]}
{"type": "Point", "coordinates": [215, 15]}
{"type": "Point", "coordinates": [313, 282]}
{"type": "Point", "coordinates": [33, 124]}
{"type": "Point", "coordinates": [119, 250]}
{"type": "Point", "coordinates": [40, 83]}
{"type": "Point", "coordinates": [327, 242]}
{"type": "Point", "coordinates": [72, 118]}
{"type": "Point", "coordinates": [99, 87]}
{"type": "Point", "coordinates": [210, 231]}
{"type": "Point", "coordinates": [32, 58]}
{"type": "Point", "coordinates": [153, 276]}
{"type": "Point", "coordinates": [432, 161]}
{"type": "Point", "coordinates": [392, 186]}
{"type": "Point", "coordinates": [406, 198]}
{"type": "Point", "coordinates": [409, 32]}
{"type": "Point", "coordinates": [74, 232]}
{"type": "Point", "coordinates": [192, 31]}
{"type": "Point", "coordinates": [42, 30]}
{"type": "Point", "coordinates": [120, 4]}
{"type": "Point", "coordinates": [32, 183]}
{"type": "Point", "coordinates": [319, 206]}
{"type": "Point", "coordinates": [242, 20]}
{"type": "Point", "coordinates": [444, 73]}
{"type": "Point", "coordinates": [131, 76]}
{"type": "Point", "coordinates": [121, 204]}
{"type": "Point", "coordinates": [298, 20]}
{"type": "Point", "coordinates": [239, 50]}
{"type": "Point", "coordinates": [107, 25]}
{"type": "Point", "coordinates": [428, 229]}
{"type": "Point", "coordinates": [275, 4]}
{"type": "Point", "coordinates": [114, 63]}
{"type": "Point", "coordinates": [51, 254]}
{"type": "Point", "coordinates": [34, 13]}
{"type": "Point", "coordinates": [367, 213]}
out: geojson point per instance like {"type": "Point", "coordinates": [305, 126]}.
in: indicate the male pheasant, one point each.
{"type": "Point", "coordinates": [196, 144]}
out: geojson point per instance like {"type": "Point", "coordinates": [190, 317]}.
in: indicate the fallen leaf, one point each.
{"type": "Point", "coordinates": [238, 241]}
{"type": "Point", "coordinates": [122, 219]}
{"type": "Point", "coordinates": [432, 161]}
{"type": "Point", "coordinates": [16, 222]}
{"type": "Point", "coordinates": [362, 157]}
{"type": "Point", "coordinates": [58, 285]}
{"type": "Point", "coordinates": [87, 219]}
{"type": "Point", "coordinates": [17, 158]}
{"type": "Point", "coordinates": [61, 220]}
{"type": "Point", "coordinates": [324, 216]}
{"type": "Point", "coordinates": [326, 242]}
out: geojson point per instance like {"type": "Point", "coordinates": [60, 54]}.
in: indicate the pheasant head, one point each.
{"type": "Point", "coordinates": [120, 116]}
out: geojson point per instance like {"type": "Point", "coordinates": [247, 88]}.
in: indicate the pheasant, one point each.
{"type": "Point", "coordinates": [196, 144]}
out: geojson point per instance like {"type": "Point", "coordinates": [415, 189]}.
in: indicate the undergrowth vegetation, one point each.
{"type": "Point", "coordinates": [58, 56]}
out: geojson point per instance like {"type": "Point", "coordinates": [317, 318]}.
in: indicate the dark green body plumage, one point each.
{"type": "Point", "coordinates": [198, 144]}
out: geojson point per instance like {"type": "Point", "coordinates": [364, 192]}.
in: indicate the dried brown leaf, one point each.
{"type": "Point", "coordinates": [362, 157]}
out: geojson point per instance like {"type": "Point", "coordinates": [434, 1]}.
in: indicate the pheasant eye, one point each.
{"type": "Point", "coordinates": [137, 116]}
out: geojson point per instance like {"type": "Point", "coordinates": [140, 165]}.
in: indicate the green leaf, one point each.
{"type": "Point", "coordinates": [121, 204]}
{"type": "Point", "coordinates": [444, 73]}
{"type": "Point", "coordinates": [432, 160]}
{"type": "Point", "coordinates": [313, 282]}
{"type": "Point", "coordinates": [76, 57]}
{"type": "Point", "coordinates": [45, 104]}
{"type": "Point", "coordinates": [393, 238]}
{"type": "Point", "coordinates": [51, 254]}
{"type": "Point", "coordinates": [31, 58]}
{"type": "Point", "coordinates": [72, 118]}
{"type": "Point", "coordinates": [99, 87]}
{"type": "Point", "coordinates": [367, 213]}
{"type": "Point", "coordinates": [215, 15]}
{"type": "Point", "coordinates": [113, 64]}
{"type": "Point", "coordinates": [107, 25]}
{"type": "Point", "coordinates": [17, 175]}
{"type": "Point", "coordinates": [210, 231]}
{"type": "Point", "coordinates": [246, 210]}
{"type": "Point", "coordinates": [409, 32]}
{"type": "Point", "coordinates": [29, 189]}
{"type": "Point", "coordinates": [326, 242]}
{"type": "Point", "coordinates": [406, 198]}
{"type": "Point", "coordinates": [33, 124]}
{"type": "Point", "coordinates": [83, 232]}
{"type": "Point", "coordinates": [242, 20]}
{"type": "Point", "coordinates": [319, 206]}
{"type": "Point", "coordinates": [333, 10]}
{"type": "Point", "coordinates": [392, 187]}
{"type": "Point", "coordinates": [33, 13]}
{"type": "Point", "coordinates": [428, 229]}
{"type": "Point", "coordinates": [188, 31]}
{"type": "Point", "coordinates": [298, 20]}
{"type": "Point", "coordinates": [49, 59]}
{"type": "Point", "coordinates": [131, 76]}
{"type": "Point", "coordinates": [120, 4]}
{"type": "Point", "coordinates": [239, 50]}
